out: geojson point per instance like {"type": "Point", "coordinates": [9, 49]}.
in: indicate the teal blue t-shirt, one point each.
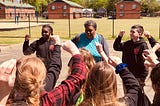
{"type": "Point", "coordinates": [89, 44]}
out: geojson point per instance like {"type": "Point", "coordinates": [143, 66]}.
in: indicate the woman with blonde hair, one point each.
{"type": "Point", "coordinates": [89, 62]}
{"type": "Point", "coordinates": [101, 84]}
{"type": "Point", "coordinates": [87, 58]}
{"type": "Point", "coordinates": [30, 78]}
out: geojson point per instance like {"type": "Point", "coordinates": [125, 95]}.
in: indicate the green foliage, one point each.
{"type": "Point", "coordinates": [149, 6]}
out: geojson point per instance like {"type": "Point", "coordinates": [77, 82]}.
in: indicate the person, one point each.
{"type": "Point", "coordinates": [87, 58]}
{"type": "Point", "coordinates": [152, 42]}
{"type": "Point", "coordinates": [30, 76]}
{"type": "Point", "coordinates": [132, 52]}
{"type": "Point", "coordinates": [43, 46]}
{"type": "Point", "coordinates": [151, 60]}
{"type": "Point", "coordinates": [89, 62]}
{"type": "Point", "coordinates": [52, 73]}
{"type": "Point", "coordinates": [101, 86]}
{"type": "Point", "coordinates": [88, 39]}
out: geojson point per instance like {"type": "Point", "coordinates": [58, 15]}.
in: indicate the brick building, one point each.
{"type": "Point", "coordinates": [12, 9]}
{"type": "Point", "coordinates": [128, 9]}
{"type": "Point", "coordinates": [64, 9]}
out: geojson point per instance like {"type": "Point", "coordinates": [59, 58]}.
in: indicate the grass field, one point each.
{"type": "Point", "coordinates": [105, 27]}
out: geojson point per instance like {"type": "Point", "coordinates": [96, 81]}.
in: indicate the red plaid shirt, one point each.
{"type": "Point", "coordinates": [62, 94]}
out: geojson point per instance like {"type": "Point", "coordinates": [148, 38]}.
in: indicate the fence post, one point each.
{"type": "Point", "coordinates": [69, 25]}
{"type": "Point", "coordinates": [15, 17]}
{"type": "Point", "coordinates": [36, 13]}
{"type": "Point", "coordinates": [159, 29]}
{"type": "Point", "coordinates": [29, 24]}
{"type": "Point", "coordinates": [113, 28]}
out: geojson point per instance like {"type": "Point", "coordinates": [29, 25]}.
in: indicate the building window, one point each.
{"type": "Point", "coordinates": [10, 14]}
{"type": "Point", "coordinates": [64, 7]}
{"type": "Point", "coordinates": [65, 14]}
{"type": "Point", "coordinates": [121, 6]}
{"type": "Point", "coordinates": [121, 14]}
{"type": "Point", "coordinates": [0, 8]}
{"type": "Point", "coordinates": [53, 7]}
{"type": "Point", "coordinates": [134, 6]}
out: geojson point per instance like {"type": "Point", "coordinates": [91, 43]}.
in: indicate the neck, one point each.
{"type": "Point", "coordinates": [135, 40]}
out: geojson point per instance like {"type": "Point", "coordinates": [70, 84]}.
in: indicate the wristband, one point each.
{"type": "Point", "coordinates": [120, 66]}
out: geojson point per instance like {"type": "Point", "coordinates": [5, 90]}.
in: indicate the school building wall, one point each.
{"type": "Point", "coordinates": [128, 10]}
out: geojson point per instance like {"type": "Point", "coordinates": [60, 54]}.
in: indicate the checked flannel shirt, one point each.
{"type": "Point", "coordinates": [63, 94]}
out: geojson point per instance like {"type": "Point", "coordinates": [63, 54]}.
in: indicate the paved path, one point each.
{"type": "Point", "coordinates": [15, 51]}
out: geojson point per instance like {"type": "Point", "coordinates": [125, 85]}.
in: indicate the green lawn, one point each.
{"type": "Point", "coordinates": [105, 27]}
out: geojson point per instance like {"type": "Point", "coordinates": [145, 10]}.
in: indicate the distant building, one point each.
{"type": "Point", "coordinates": [12, 9]}
{"type": "Point", "coordinates": [87, 12]}
{"type": "Point", "coordinates": [128, 9]}
{"type": "Point", "coordinates": [64, 9]}
{"type": "Point", "coordinates": [101, 12]}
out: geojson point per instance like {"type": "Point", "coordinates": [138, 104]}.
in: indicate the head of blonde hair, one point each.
{"type": "Point", "coordinates": [101, 85]}
{"type": "Point", "coordinates": [87, 58]}
{"type": "Point", "coordinates": [30, 76]}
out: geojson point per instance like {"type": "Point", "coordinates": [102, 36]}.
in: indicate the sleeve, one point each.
{"type": "Point", "coordinates": [152, 41]}
{"type": "Point", "coordinates": [29, 49]}
{"type": "Point", "coordinates": [117, 45]}
{"type": "Point", "coordinates": [63, 93]}
{"type": "Point", "coordinates": [132, 87]}
{"type": "Point", "coordinates": [105, 45]}
{"type": "Point", "coordinates": [54, 68]}
{"type": "Point", "coordinates": [145, 46]}
{"type": "Point", "coordinates": [75, 39]}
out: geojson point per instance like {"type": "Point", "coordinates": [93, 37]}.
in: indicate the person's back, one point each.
{"type": "Point", "coordinates": [30, 80]}
{"type": "Point", "coordinates": [101, 86]}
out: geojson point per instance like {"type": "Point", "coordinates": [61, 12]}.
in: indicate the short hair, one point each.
{"type": "Point", "coordinates": [90, 23]}
{"type": "Point", "coordinates": [139, 27]}
{"type": "Point", "coordinates": [48, 26]}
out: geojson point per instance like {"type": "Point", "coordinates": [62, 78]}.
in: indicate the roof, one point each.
{"type": "Point", "coordinates": [87, 10]}
{"type": "Point", "coordinates": [127, 1]}
{"type": "Point", "coordinates": [73, 4]}
{"type": "Point", "coordinates": [15, 4]}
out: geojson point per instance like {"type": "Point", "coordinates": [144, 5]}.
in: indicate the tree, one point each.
{"type": "Point", "coordinates": [149, 6]}
{"type": "Point", "coordinates": [40, 5]}
{"type": "Point", "coordinates": [111, 5]}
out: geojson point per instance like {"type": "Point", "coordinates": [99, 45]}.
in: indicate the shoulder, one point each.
{"type": "Point", "coordinates": [101, 38]}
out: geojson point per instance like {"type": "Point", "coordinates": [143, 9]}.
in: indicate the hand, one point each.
{"type": "Point", "coordinates": [7, 72]}
{"type": "Point", "coordinates": [121, 33]}
{"type": "Point", "coordinates": [150, 58]}
{"type": "Point", "coordinates": [56, 39]}
{"type": "Point", "coordinates": [156, 47]}
{"type": "Point", "coordinates": [70, 47]}
{"type": "Point", "coordinates": [114, 61]}
{"type": "Point", "coordinates": [99, 47]}
{"type": "Point", "coordinates": [147, 34]}
{"type": "Point", "coordinates": [27, 37]}
{"type": "Point", "coordinates": [7, 78]}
